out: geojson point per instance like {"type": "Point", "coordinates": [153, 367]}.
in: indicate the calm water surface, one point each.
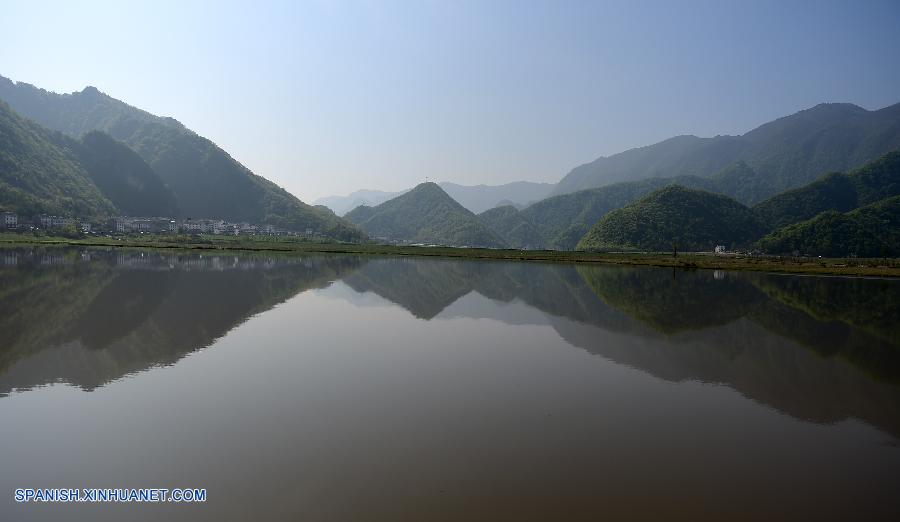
{"type": "Point", "coordinates": [366, 388]}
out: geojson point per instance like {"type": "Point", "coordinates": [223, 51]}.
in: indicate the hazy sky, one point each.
{"type": "Point", "coordinates": [327, 97]}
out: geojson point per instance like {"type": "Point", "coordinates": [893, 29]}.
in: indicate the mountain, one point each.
{"type": "Point", "coordinates": [509, 223]}
{"type": "Point", "coordinates": [205, 180]}
{"type": "Point", "coordinates": [869, 231]}
{"type": "Point", "coordinates": [425, 214]}
{"type": "Point", "coordinates": [784, 153]}
{"type": "Point", "coordinates": [38, 174]}
{"type": "Point", "coordinates": [477, 198]}
{"type": "Point", "coordinates": [838, 192]}
{"type": "Point", "coordinates": [696, 220]}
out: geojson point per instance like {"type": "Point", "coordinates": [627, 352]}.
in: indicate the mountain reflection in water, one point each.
{"type": "Point", "coordinates": [821, 350]}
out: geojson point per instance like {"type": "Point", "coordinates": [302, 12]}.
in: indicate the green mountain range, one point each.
{"type": "Point", "coordinates": [89, 155]}
{"type": "Point", "coordinates": [780, 155]}
{"type": "Point", "coordinates": [837, 215]}
{"type": "Point", "coordinates": [205, 180]}
{"type": "Point", "coordinates": [695, 220]}
{"type": "Point", "coordinates": [425, 214]}
{"type": "Point", "coordinates": [784, 154]}
{"type": "Point", "coordinates": [561, 221]}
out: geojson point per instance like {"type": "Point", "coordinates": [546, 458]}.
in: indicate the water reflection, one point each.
{"type": "Point", "coordinates": [90, 317]}
{"type": "Point", "coordinates": [400, 388]}
{"type": "Point", "coordinates": [823, 349]}
{"type": "Point", "coordinates": [819, 349]}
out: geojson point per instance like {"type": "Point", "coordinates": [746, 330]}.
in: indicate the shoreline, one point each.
{"type": "Point", "coordinates": [689, 261]}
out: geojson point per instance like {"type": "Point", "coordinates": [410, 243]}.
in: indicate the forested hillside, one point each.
{"type": "Point", "coordinates": [869, 231]}
{"type": "Point", "coordinates": [692, 220]}
{"type": "Point", "coordinates": [836, 191]}
{"type": "Point", "coordinates": [206, 181]}
{"type": "Point", "coordinates": [38, 175]}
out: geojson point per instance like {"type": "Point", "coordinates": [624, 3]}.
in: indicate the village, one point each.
{"type": "Point", "coordinates": [144, 225]}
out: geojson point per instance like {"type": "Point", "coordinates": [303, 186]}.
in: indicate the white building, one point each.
{"type": "Point", "coordinates": [122, 224]}
{"type": "Point", "coordinates": [206, 226]}
{"type": "Point", "coordinates": [10, 219]}
{"type": "Point", "coordinates": [219, 227]}
{"type": "Point", "coordinates": [55, 221]}
{"type": "Point", "coordinates": [720, 249]}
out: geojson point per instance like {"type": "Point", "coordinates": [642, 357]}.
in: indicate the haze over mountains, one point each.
{"type": "Point", "coordinates": [477, 198]}
{"type": "Point", "coordinates": [783, 154]}
{"type": "Point", "coordinates": [89, 155]}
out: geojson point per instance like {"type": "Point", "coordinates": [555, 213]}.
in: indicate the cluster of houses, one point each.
{"type": "Point", "coordinates": [125, 225]}
{"type": "Point", "coordinates": [156, 225]}
{"type": "Point", "coordinates": [13, 221]}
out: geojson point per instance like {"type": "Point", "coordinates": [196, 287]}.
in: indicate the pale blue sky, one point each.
{"type": "Point", "coordinates": [327, 97]}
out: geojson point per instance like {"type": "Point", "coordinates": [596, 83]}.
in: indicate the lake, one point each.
{"type": "Point", "coordinates": [377, 388]}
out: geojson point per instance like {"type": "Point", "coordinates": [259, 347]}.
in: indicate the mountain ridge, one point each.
{"type": "Point", "coordinates": [205, 179]}
{"type": "Point", "coordinates": [785, 153]}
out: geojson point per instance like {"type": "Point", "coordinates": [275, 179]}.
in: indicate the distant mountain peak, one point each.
{"type": "Point", "coordinates": [425, 214]}
{"type": "Point", "coordinates": [476, 198]}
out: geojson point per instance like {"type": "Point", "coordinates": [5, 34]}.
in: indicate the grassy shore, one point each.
{"type": "Point", "coordinates": [792, 265]}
